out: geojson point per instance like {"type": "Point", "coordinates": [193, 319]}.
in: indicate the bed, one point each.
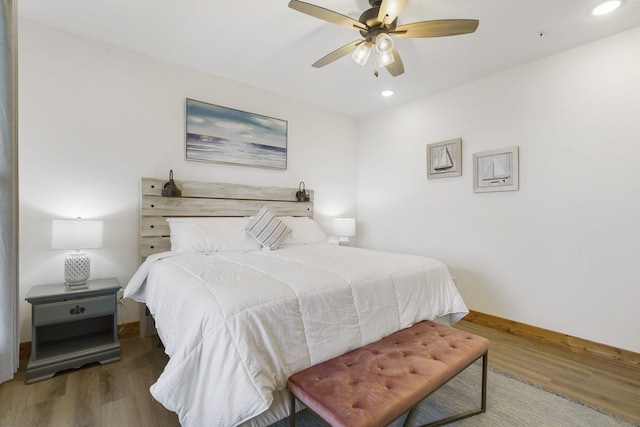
{"type": "Point", "coordinates": [237, 319]}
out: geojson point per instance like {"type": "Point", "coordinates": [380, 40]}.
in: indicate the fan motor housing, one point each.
{"type": "Point", "coordinates": [370, 18]}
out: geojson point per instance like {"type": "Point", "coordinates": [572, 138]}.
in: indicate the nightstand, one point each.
{"type": "Point", "coordinates": [71, 328]}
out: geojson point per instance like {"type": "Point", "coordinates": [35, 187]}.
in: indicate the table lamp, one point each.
{"type": "Point", "coordinates": [344, 228]}
{"type": "Point", "coordinates": [76, 234]}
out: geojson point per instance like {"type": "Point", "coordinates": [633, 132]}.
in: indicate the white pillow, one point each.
{"type": "Point", "coordinates": [268, 230]}
{"type": "Point", "coordinates": [210, 234]}
{"type": "Point", "coordinates": [303, 231]}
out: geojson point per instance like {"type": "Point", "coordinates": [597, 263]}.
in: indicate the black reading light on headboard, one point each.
{"type": "Point", "coordinates": [170, 189]}
{"type": "Point", "coordinates": [302, 195]}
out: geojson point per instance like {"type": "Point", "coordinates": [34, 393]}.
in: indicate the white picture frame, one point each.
{"type": "Point", "coordinates": [444, 159]}
{"type": "Point", "coordinates": [496, 170]}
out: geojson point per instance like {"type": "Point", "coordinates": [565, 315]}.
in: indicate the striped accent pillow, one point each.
{"type": "Point", "coordinates": [268, 230]}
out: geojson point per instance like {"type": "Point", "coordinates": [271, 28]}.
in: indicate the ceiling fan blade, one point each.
{"type": "Point", "coordinates": [326, 14]}
{"type": "Point", "coordinates": [437, 28]}
{"type": "Point", "coordinates": [396, 67]}
{"type": "Point", "coordinates": [389, 10]}
{"type": "Point", "coordinates": [337, 54]}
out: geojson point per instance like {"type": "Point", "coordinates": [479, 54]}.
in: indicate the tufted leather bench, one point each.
{"type": "Point", "coordinates": [376, 384]}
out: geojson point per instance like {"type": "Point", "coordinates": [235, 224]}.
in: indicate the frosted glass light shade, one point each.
{"type": "Point", "coordinates": [384, 44]}
{"type": "Point", "coordinates": [385, 59]}
{"type": "Point", "coordinates": [362, 53]}
{"type": "Point", "coordinates": [76, 234]}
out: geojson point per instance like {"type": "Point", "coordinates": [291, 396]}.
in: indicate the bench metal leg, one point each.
{"type": "Point", "coordinates": [292, 415]}
{"type": "Point", "coordinates": [458, 417]}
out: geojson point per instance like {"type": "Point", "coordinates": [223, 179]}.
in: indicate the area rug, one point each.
{"type": "Point", "coordinates": [510, 403]}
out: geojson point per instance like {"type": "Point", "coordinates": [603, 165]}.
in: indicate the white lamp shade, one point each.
{"type": "Point", "coordinates": [76, 234]}
{"type": "Point", "coordinates": [344, 227]}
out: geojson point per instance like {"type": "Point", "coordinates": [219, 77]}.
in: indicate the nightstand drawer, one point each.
{"type": "Point", "coordinates": [73, 309]}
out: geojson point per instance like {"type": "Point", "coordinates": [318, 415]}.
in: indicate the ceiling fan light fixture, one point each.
{"type": "Point", "coordinates": [384, 43]}
{"type": "Point", "coordinates": [385, 59]}
{"type": "Point", "coordinates": [362, 53]}
{"type": "Point", "coordinates": [606, 7]}
{"type": "Point", "coordinates": [375, 26]}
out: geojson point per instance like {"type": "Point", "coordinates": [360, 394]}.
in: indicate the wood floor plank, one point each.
{"type": "Point", "coordinates": [122, 412]}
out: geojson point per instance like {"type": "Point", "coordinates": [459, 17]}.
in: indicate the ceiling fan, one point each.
{"type": "Point", "coordinates": [376, 25]}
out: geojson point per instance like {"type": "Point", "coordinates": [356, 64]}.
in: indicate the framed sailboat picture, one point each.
{"type": "Point", "coordinates": [444, 159]}
{"type": "Point", "coordinates": [496, 170]}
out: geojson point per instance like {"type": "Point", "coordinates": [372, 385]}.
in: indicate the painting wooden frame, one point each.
{"type": "Point", "coordinates": [224, 135]}
{"type": "Point", "coordinates": [444, 159]}
{"type": "Point", "coordinates": [496, 170]}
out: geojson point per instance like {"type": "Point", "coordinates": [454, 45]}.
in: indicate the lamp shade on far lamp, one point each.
{"type": "Point", "coordinates": [76, 234]}
{"type": "Point", "coordinates": [344, 228]}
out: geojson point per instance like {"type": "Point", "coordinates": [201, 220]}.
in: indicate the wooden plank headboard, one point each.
{"type": "Point", "coordinates": [208, 199]}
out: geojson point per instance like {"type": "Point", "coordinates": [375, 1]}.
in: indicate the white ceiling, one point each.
{"type": "Point", "coordinates": [264, 43]}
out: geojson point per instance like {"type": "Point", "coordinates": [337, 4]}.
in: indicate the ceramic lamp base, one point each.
{"type": "Point", "coordinates": [77, 268]}
{"type": "Point", "coordinates": [344, 241]}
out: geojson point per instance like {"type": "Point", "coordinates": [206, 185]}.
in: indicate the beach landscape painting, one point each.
{"type": "Point", "coordinates": [224, 135]}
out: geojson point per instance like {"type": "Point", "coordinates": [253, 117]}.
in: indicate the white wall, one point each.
{"type": "Point", "coordinates": [94, 119]}
{"type": "Point", "coordinates": [561, 253]}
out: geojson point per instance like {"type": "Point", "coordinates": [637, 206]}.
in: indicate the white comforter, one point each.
{"type": "Point", "coordinates": [236, 325]}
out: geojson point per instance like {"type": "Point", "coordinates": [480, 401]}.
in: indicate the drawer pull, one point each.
{"type": "Point", "coordinates": [77, 310]}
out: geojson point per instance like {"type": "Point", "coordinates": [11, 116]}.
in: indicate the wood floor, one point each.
{"type": "Point", "coordinates": [118, 394]}
{"type": "Point", "coordinates": [613, 388]}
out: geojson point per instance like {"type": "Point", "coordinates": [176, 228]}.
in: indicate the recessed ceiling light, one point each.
{"type": "Point", "coordinates": [606, 7]}
{"type": "Point", "coordinates": [386, 93]}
